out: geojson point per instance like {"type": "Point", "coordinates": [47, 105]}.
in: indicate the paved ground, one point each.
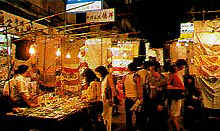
{"type": "Point", "coordinates": [118, 121]}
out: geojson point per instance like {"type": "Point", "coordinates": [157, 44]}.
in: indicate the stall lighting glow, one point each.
{"type": "Point", "coordinates": [68, 56]}
{"type": "Point", "coordinates": [58, 52]}
{"type": "Point", "coordinates": [125, 55]}
{"type": "Point", "coordinates": [32, 50]}
{"type": "Point", "coordinates": [178, 44]}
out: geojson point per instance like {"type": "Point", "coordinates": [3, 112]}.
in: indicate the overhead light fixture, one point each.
{"type": "Point", "coordinates": [58, 52]}
{"type": "Point", "coordinates": [68, 56]}
{"type": "Point", "coordinates": [32, 50]}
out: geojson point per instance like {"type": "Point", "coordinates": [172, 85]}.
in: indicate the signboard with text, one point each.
{"type": "Point", "coordinates": [186, 30]}
{"type": "Point", "coordinates": [105, 15]}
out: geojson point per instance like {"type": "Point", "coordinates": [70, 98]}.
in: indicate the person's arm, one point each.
{"type": "Point", "coordinates": [6, 89]}
{"type": "Point", "coordinates": [112, 85]}
{"type": "Point", "coordinates": [174, 86]}
{"type": "Point", "coordinates": [25, 95]}
{"type": "Point", "coordinates": [139, 88]}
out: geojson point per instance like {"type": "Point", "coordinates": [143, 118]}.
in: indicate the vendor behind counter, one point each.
{"type": "Point", "coordinates": [16, 90]}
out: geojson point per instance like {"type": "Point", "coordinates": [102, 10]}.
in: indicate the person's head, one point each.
{"type": "Point", "coordinates": [21, 69]}
{"type": "Point", "coordinates": [109, 67]}
{"type": "Point", "coordinates": [132, 67]}
{"type": "Point", "coordinates": [154, 66]}
{"type": "Point", "coordinates": [180, 64]}
{"type": "Point", "coordinates": [151, 58]}
{"type": "Point", "coordinates": [35, 69]}
{"type": "Point", "coordinates": [33, 66]}
{"type": "Point", "coordinates": [146, 64]}
{"type": "Point", "coordinates": [173, 68]}
{"type": "Point", "coordinates": [89, 75]}
{"type": "Point", "coordinates": [189, 79]}
{"type": "Point", "coordinates": [101, 72]}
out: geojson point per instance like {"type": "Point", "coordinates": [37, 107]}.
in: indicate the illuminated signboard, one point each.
{"type": "Point", "coordinates": [75, 6]}
{"type": "Point", "coordinates": [186, 30]}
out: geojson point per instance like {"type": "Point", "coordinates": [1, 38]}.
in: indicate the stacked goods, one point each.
{"type": "Point", "coordinates": [54, 107]}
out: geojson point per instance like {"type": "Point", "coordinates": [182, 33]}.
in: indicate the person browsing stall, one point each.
{"type": "Point", "coordinates": [133, 92]}
{"type": "Point", "coordinates": [93, 94]}
{"type": "Point", "coordinates": [107, 94]}
{"type": "Point", "coordinates": [176, 89]}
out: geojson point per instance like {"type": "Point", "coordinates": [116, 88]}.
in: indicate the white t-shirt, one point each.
{"type": "Point", "coordinates": [130, 86]}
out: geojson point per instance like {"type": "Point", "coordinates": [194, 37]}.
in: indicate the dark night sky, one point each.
{"type": "Point", "coordinates": [159, 20]}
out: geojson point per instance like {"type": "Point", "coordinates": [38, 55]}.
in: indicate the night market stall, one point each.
{"type": "Point", "coordinates": [59, 58]}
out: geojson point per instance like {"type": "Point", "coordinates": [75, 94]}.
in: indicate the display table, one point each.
{"type": "Point", "coordinates": [55, 113]}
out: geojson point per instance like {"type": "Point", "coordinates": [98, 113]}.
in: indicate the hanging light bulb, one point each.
{"type": "Point", "coordinates": [125, 55]}
{"type": "Point", "coordinates": [58, 52]}
{"type": "Point", "coordinates": [32, 50]}
{"type": "Point", "coordinates": [68, 55]}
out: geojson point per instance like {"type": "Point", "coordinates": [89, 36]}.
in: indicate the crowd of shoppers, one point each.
{"type": "Point", "coordinates": [161, 100]}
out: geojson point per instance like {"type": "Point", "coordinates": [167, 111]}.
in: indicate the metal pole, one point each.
{"type": "Point", "coordinates": [101, 51]}
{"type": "Point", "coordinates": [44, 64]}
{"type": "Point", "coordinates": [9, 52]}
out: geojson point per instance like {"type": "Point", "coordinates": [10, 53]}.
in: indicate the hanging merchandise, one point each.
{"type": "Point", "coordinates": [205, 63]}
{"type": "Point", "coordinates": [96, 51]}
{"type": "Point", "coordinates": [210, 91]}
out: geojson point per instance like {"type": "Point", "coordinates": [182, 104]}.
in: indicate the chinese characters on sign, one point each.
{"type": "Point", "coordinates": [106, 15]}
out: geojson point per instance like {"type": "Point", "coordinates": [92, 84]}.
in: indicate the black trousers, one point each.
{"type": "Point", "coordinates": [128, 104]}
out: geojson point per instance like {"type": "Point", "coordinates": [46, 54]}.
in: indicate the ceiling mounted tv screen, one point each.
{"type": "Point", "coordinates": [80, 6]}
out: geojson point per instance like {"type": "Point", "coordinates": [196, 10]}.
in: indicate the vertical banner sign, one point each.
{"type": "Point", "coordinates": [76, 6]}
{"type": "Point", "coordinates": [105, 15]}
{"type": "Point", "coordinates": [186, 30]}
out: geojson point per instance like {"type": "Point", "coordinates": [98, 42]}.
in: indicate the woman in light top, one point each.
{"type": "Point", "coordinates": [93, 93]}
{"type": "Point", "coordinates": [133, 93]}
{"type": "Point", "coordinates": [107, 89]}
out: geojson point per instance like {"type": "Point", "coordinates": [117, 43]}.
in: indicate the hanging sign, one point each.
{"type": "Point", "coordinates": [186, 30]}
{"type": "Point", "coordinates": [105, 15]}
{"type": "Point", "coordinates": [16, 24]}
{"type": "Point", "coordinates": [76, 6]}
